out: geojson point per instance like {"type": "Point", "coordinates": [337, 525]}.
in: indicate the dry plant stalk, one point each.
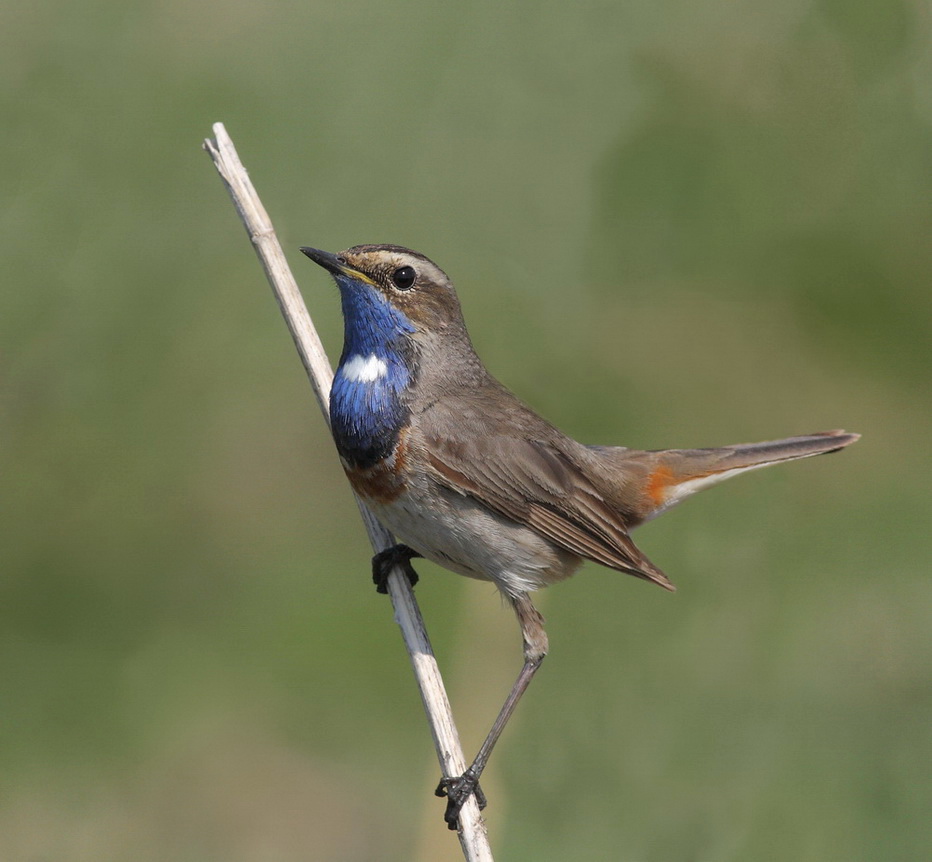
{"type": "Point", "coordinates": [472, 832]}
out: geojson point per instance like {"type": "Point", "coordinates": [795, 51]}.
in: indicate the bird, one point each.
{"type": "Point", "coordinates": [464, 474]}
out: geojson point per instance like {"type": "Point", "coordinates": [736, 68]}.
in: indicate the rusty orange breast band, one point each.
{"type": "Point", "coordinates": [382, 482]}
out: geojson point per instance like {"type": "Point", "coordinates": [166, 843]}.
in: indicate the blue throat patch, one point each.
{"type": "Point", "coordinates": [367, 415]}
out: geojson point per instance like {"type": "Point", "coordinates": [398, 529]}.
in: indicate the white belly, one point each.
{"type": "Point", "coordinates": [460, 534]}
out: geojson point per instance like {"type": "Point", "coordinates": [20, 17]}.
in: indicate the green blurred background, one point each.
{"type": "Point", "coordinates": [671, 223]}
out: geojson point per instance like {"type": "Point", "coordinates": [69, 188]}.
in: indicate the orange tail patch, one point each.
{"type": "Point", "coordinates": [657, 484]}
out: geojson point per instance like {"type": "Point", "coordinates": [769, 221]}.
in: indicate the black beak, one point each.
{"type": "Point", "coordinates": [328, 261]}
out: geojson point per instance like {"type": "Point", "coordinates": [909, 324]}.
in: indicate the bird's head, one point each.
{"type": "Point", "coordinates": [404, 338]}
{"type": "Point", "coordinates": [391, 289]}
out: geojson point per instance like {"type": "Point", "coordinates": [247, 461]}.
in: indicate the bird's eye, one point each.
{"type": "Point", "coordinates": [404, 277]}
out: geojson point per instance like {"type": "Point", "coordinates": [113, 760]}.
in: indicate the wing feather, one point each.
{"type": "Point", "coordinates": [538, 485]}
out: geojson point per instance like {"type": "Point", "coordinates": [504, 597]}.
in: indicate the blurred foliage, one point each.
{"type": "Point", "coordinates": [671, 224]}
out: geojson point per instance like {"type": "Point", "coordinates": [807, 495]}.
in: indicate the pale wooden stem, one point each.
{"type": "Point", "coordinates": [472, 832]}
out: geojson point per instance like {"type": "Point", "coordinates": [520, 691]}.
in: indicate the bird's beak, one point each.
{"type": "Point", "coordinates": [335, 265]}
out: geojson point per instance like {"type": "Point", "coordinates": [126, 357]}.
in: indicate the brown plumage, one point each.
{"type": "Point", "coordinates": [465, 474]}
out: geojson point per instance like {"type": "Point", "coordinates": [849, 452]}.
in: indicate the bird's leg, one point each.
{"type": "Point", "coordinates": [457, 789]}
{"type": "Point", "coordinates": [384, 561]}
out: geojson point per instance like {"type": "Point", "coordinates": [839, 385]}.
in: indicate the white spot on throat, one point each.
{"type": "Point", "coordinates": [364, 369]}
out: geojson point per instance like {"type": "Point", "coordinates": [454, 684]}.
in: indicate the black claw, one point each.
{"type": "Point", "coordinates": [384, 561]}
{"type": "Point", "coordinates": [457, 790]}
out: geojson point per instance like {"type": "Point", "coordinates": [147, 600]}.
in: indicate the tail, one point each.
{"type": "Point", "coordinates": [748, 456]}
{"type": "Point", "coordinates": [659, 479]}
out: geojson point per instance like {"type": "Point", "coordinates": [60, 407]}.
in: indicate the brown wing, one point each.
{"type": "Point", "coordinates": [536, 484]}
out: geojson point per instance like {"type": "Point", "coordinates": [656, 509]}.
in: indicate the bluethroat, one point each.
{"type": "Point", "coordinates": [464, 474]}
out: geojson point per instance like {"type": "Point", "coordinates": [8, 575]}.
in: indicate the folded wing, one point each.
{"type": "Point", "coordinates": [534, 483]}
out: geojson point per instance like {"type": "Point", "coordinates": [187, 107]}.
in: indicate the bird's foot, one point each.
{"type": "Point", "coordinates": [457, 790]}
{"type": "Point", "coordinates": [384, 561]}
